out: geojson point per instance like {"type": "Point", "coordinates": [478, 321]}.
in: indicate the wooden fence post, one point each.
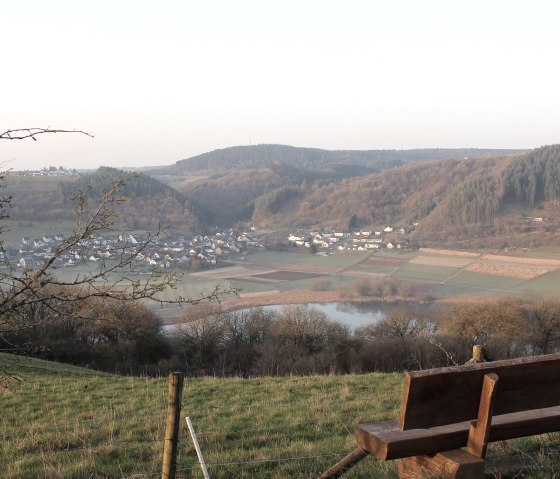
{"type": "Point", "coordinates": [174, 396]}
{"type": "Point", "coordinates": [477, 355]}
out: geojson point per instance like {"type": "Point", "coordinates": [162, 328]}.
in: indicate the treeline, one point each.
{"type": "Point", "coordinates": [109, 335]}
{"type": "Point", "coordinates": [301, 340]}
{"type": "Point", "coordinates": [128, 339]}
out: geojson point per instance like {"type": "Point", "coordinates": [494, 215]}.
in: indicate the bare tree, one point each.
{"type": "Point", "coordinates": [29, 296]}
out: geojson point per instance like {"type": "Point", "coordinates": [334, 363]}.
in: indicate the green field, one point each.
{"type": "Point", "coordinates": [69, 422]}
{"type": "Point", "coordinates": [499, 284]}
{"type": "Point", "coordinates": [546, 284]}
{"type": "Point", "coordinates": [375, 268]}
{"type": "Point", "coordinates": [342, 260]}
{"type": "Point", "coordinates": [421, 272]}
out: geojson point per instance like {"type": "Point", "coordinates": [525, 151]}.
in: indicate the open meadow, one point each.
{"type": "Point", "coordinates": [61, 421]}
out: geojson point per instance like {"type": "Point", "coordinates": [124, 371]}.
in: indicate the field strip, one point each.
{"type": "Point", "coordinates": [361, 274]}
{"type": "Point", "coordinates": [449, 252]}
{"type": "Point", "coordinates": [230, 272]}
{"type": "Point", "coordinates": [431, 261]}
{"type": "Point", "coordinates": [258, 294]}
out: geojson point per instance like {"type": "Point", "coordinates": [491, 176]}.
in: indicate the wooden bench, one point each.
{"type": "Point", "coordinates": [449, 415]}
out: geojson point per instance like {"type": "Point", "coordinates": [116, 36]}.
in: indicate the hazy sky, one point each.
{"type": "Point", "coordinates": [158, 81]}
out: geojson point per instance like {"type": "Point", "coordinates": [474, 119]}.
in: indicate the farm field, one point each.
{"type": "Point", "coordinates": [425, 273]}
{"type": "Point", "coordinates": [312, 262]}
{"type": "Point", "coordinates": [294, 277]}
{"type": "Point", "coordinates": [440, 274]}
{"type": "Point", "coordinates": [64, 421]}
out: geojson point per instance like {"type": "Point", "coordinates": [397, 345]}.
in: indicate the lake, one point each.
{"type": "Point", "coordinates": [353, 315]}
{"type": "Point", "coordinates": [356, 315]}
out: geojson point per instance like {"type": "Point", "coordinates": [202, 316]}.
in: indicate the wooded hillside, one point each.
{"type": "Point", "coordinates": [499, 200]}
{"type": "Point", "coordinates": [149, 204]}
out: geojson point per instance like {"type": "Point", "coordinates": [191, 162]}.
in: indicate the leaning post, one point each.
{"type": "Point", "coordinates": [174, 396]}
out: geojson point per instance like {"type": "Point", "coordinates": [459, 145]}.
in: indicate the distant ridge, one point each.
{"type": "Point", "coordinates": [263, 156]}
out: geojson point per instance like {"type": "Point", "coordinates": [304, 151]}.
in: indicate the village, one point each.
{"type": "Point", "coordinates": [323, 243]}
{"type": "Point", "coordinates": [197, 252]}
{"type": "Point", "coordinates": [191, 253]}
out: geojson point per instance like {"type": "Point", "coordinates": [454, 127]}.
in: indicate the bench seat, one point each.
{"type": "Point", "coordinates": [385, 440]}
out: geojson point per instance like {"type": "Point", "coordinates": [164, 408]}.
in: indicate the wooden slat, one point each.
{"type": "Point", "coordinates": [480, 430]}
{"type": "Point", "coordinates": [442, 396]}
{"type": "Point", "coordinates": [387, 441]}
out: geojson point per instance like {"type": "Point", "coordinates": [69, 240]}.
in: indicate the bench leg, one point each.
{"type": "Point", "coordinates": [455, 464]}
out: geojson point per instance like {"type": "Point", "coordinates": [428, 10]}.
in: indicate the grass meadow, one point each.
{"type": "Point", "coordinates": [61, 421]}
{"type": "Point", "coordinates": [68, 422]}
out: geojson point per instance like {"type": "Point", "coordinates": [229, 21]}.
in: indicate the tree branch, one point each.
{"type": "Point", "coordinates": [26, 133]}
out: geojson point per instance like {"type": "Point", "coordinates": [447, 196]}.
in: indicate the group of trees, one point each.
{"type": "Point", "coordinates": [128, 338]}
{"type": "Point", "coordinates": [301, 340]}
{"type": "Point", "coordinates": [534, 177]}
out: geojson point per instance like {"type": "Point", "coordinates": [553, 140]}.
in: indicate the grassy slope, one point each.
{"type": "Point", "coordinates": [62, 421]}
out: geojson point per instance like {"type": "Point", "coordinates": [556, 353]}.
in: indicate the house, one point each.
{"type": "Point", "coordinates": [390, 245]}
{"type": "Point", "coordinates": [388, 229]}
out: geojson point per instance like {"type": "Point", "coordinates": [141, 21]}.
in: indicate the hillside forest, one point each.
{"type": "Point", "coordinates": [479, 200]}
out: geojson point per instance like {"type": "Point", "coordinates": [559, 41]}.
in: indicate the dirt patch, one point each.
{"type": "Point", "coordinates": [435, 261]}
{"type": "Point", "coordinates": [508, 270]}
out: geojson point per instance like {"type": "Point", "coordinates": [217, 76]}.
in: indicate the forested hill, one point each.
{"type": "Point", "coordinates": [262, 156]}
{"type": "Point", "coordinates": [150, 203]}
{"type": "Point", "coordinates": [493, 200]}
{"type": "Point", "coordinates": [137, 186]}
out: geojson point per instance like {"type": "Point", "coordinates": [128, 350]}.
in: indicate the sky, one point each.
{"type": "Point", "coordinates": [159, 81]}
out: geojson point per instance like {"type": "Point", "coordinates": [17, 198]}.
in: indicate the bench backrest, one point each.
{"type": "Point", "coordinates": [436, 397]}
